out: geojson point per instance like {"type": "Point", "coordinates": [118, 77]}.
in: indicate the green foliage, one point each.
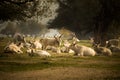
{"type": "Point", "coordinates": [77, 13]}
{"type": "Point", "coordinates": [12, 10]}
{"type": "Point", "coordinates": [25, 9]}
{"type": "Point", "coordinates": [97, 16]}
{"type": "Point", "coordinates": [114, 30]}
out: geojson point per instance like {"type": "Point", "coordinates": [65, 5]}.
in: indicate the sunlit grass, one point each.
{"type": "Point", "coordinates": [85, 43]}
{"type": "Point", "coordinates": [25, 62]}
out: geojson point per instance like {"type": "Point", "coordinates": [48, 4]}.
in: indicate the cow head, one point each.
{"type": "Point", "coordinates": [58, 39]}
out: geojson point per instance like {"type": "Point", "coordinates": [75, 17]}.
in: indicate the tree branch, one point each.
{"type": "Point", "coordinates": [63, 4]}
{"type": "Point", "coordinates": [16, 2]}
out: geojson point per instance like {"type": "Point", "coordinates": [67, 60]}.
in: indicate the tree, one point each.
{"type": "Point", "coordinates": [31, 15]}
{"type": "Point", "coordinates": [76, 14]}
{"type": "Point", "coordinates": [27, 9]}
{"type": "Point", "coordinates": [45, 10]}
{"type": "Point", "coordinates": [97, 16]}
{"type": "Point", "coordinates": [106, 19]}
{"type": "Point", "coordinates": [13, 9]}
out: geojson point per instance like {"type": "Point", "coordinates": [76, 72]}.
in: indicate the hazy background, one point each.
{"type": "Point", "coordinates": [97, 18]}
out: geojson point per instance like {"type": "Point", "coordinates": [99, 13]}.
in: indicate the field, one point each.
{"type": "Point", "coordinates": [58, 67]}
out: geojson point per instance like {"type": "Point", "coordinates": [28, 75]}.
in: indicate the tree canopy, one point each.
{"type": "Point", "coordinates": [13, 9]}
{"type": "Point", "coordinates": [101, 17]}
{"type": "Point", "coordinates": [98, 16]}
{"type": "Point", "coordinates": [26, 9]}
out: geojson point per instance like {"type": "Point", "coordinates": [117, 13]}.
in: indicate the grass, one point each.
{"type": "Point", "coordinates": [85, 43]}
{"type": "Point", "coordinates": [26, 63]}
{"type": "Point", "coordinates": [58, 67]}
{"type": "Point", "coordinates": [61, 68]}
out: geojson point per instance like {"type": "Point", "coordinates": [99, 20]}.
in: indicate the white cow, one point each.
{"type": "Point", "coordinates": [37, 45]}
{"type": "Point", "coordinates": [82, 50]}
{"type": "Point", "coordinates": [53, 49]}
{"type": "Point", "coordinates": [13, 48]}
{"type": "Point", "coordinates": [66, 43]}
{"type": "Point", "coordinates": [38, 52]}
{"type": "Point", "coordinates": [65, 47]}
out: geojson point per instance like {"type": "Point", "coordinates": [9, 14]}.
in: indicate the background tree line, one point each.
{"type": "Point", "coordinates": [99, 17]}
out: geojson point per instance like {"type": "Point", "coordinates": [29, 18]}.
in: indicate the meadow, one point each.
{"type": "Point", "coordinates": [62, 66]}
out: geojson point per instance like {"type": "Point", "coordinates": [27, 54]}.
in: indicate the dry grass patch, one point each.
{"type": "Point", "coordinates": [62, 73]}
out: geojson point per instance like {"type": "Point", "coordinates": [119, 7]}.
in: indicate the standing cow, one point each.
{"type": "Point", "coordinates": [56, 41]}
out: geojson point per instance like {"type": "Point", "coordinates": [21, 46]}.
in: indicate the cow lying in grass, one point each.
{"type": "Point", "coordinates": [13, 48]}
{"type": "Point", "coordinates": [54, 49]}
{"type": "Point", "coordinates": [41, 53]}
{"type": "Point", "coordinates": [65, 47]}
{"type": "Point", "coordinates": [37, 44]}
{"type": "Point", "coordinates": [114, 48]}
{"type": "Point", "coordinates": [112, 42]}
{"type": "Point", "coordinates": [82, 50]}
{"type": "Point", "coordinates": [113, 45]}
{"type": "Point", "coordinates": [102, 50]}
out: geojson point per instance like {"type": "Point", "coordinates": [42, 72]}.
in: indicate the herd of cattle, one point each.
{"type": "Point", "coordinates": [47, 46]}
